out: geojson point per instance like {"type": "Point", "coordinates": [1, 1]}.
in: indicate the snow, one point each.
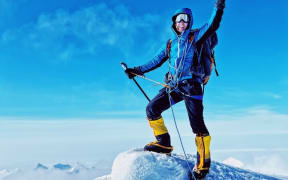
{"type": "Point", "coordinates": [233, 162]}
{"type": "Point", "coordinates": [139, 165]}
{"type": "Point", "coordinates": [135, 164]}
{"type": "Point", "coordinates": [107, 177]}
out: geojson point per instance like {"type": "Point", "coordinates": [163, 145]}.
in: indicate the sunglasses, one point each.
{"type": "Point", "coordinates": [182, 17]}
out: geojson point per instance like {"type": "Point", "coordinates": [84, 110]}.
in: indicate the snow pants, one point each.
{"type": "Point", "coordinates": [191, 92]}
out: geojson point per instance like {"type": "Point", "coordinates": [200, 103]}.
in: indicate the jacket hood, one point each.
{"type": "Point", "coordinates": [183, 11]}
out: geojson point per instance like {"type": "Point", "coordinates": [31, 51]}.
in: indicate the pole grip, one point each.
{"type": "Point", "coordinates": [124, 66]}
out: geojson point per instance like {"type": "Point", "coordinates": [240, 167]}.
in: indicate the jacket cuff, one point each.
{"type": "Point", "coordinates": [138, 70]}
{"type": "Point", "coordinates": [220, 4]}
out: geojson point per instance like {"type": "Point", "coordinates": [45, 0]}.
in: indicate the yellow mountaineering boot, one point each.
{"type": "Point", "coordinates": [162, 143]}
{"type": "Point", "coordinates": [201, 169]}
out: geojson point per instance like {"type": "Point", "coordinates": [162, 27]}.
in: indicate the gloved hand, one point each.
{"type": "Point", "coordinates": [168, 78]}
{"type": "Point", "coordinates": [132, 72]}
{"type": "Point", "coordinates": [220, 4]}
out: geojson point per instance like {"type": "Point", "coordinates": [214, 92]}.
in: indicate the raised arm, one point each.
{"type": "Point", "coordinates": [213, 24]}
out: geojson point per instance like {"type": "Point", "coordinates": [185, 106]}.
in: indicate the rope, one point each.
{"type": "Point", "coordinates": [176, 126]}
{"type": "Point", "coordinates": [176, 79]}
{"type": "Point", "coordinates": [177, 75]}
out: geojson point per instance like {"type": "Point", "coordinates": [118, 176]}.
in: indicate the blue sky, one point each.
{"type": "Point", "coordinates": [59, 60]}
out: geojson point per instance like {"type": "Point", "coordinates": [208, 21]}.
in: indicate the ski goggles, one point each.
{"type": "Point", "coordinates": [182, 17]}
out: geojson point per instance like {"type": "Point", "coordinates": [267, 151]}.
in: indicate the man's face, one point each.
{"type": "Point", "coordinates": [181, 22]}
{"type": "Point", "coordinates": [181, 26]}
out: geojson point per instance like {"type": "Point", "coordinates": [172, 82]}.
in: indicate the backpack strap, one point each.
{"type": "Point", "coordinates": [214, 62]}
{"type": "Point", "coordinates": [168, 50]}
{"type": "Point", "coordinates": [191, 36]}
{"type": "Point", "coordinates": [168, 47]}
{"type": "Point", "coordinates": [199, 55]}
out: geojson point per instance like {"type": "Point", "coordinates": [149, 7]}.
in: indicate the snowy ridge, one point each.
{"type": "Point", "coordinates": [139, 165]}
{"type": "Point", "coordinates": [134, 164]}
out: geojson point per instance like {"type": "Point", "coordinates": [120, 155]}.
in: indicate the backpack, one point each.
{"type": "Point", "coordinates": [203, 59]}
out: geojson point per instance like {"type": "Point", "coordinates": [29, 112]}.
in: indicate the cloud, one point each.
{"type": "Point", "coordinates": [254, 135]}
{"type": "Point", "coordinates": [256, 120]}
{"type": "Point", "coordinates": [273, 165]}
{"type": "Point", "coordinates": [259, 112]}
{"type": "Point", "coordinates": [251, 150]}
{"type": "Point", "coordinates": [241, 95]}
{"type": "Point", "coordinates": [270, 165]}
{"type": "Point", "coordinates": [233, 162]}
{"type": "Point", "coordinates": [272, 95]}
{"type": "Point", "coordinates": [249, 121]}
{"type": "Point", "coordinates": [53, 174]}
{"type": "Point", "coordinates": [89, 30]}
{"type": "Point", "coordinates": [95, 92]}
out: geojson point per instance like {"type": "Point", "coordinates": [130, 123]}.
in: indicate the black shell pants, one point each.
{"type": "Point", "coordinates": [186, 91]}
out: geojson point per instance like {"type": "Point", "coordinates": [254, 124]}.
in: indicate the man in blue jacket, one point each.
{"type": "Point", "coordinates": [185, 80]}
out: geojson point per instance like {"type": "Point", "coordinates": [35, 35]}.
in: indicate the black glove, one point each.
{"type": "Point", "coordinates": [220, 4]}
{"type": "Point", "coordinates": [132, 72]}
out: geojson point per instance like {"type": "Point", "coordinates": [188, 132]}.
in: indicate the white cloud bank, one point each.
{"type": "Point", "coordinates": [75, 171]}
{"type": "Point", "coordinates": [233, 162]}
{"type": "Point", "coordinates": [249, 121]}
{"type": "Point", "coordinates": [261, 145]}
{"type": "Point", "coordinates": [131, 165]}
{"type": "Point", "coordinates": [271, 165]}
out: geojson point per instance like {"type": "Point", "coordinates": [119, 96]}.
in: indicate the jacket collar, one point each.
{"type": "Point", "coordinates": [182, 36]}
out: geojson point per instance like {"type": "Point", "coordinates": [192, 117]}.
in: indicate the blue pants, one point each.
{"type": "Point", "coordinates": [189, 91]}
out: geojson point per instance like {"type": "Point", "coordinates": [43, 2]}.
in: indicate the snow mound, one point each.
{"type": "Point", "coordinates": [140, 165]}
{"type": "Point", "coordinates": [233, 162]}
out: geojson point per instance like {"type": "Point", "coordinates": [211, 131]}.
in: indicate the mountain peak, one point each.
{"type": "Point", "coordinates": [137, 164]}
{"type": "Point", "coordinates": [62, 166]}
{"type": "Point", "coordinates": [41, 166]}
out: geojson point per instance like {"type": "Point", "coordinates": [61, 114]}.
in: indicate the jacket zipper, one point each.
{"type": "Point", "coordinates": [178, 50]}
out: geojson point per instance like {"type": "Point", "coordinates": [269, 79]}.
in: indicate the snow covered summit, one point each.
{"type": "Point", "coordinates": [139, 165]}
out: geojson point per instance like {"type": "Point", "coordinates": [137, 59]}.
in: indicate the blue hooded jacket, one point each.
{"type": "Point", "coordinates": [182, 51]}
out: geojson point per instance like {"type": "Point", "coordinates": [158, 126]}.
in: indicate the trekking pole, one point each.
{"type": "Point", "coordinates": [143, 77]}
{"type": "Point", "coordinates": [125, 67]}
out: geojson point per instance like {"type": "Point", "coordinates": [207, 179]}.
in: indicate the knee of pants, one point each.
{"type": "Point", "coordinates": [199, 127]}
{"type": "Point", "coordinates": [152, 112]}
